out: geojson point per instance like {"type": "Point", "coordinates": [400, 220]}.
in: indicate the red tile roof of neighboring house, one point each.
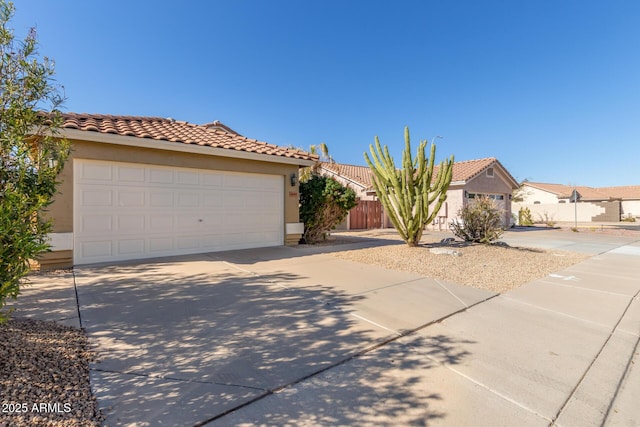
{"type": "Point", "coordinates": [630, 192]}
{"type": "Point", "coordinates": [359, 174]}
{"type": "Point", "coordinates": [213, 134]}
{"type": "Point", "coordinates": [462, 171]}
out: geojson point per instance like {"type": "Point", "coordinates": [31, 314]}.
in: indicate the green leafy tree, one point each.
{"type": "Point", "coordinates": [324, 203]}
{"type": "Point", "coordinates": [480, 221]}
{"type": "Point", "coordinates": [411, 196]}
{"type": "Point", "coordinates": [31, 156]}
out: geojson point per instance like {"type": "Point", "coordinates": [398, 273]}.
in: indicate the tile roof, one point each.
{"type": "Point", "coordinates": [462, 171]}
{"type": "Point", "coordinates": [630, 192]}
{"type": "Point", "coordinates": [359, 174]}
{"type": "Point", "coordinates": [213, 134]}
{"type": "Point", "coordinates": [627, 192]}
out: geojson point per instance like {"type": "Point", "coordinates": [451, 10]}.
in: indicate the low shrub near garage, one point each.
{"type": "Point", "coordinates": [480, 221]}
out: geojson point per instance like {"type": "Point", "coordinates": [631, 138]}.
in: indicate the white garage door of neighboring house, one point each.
{"type": "Point", "coordinates": [130, 211]}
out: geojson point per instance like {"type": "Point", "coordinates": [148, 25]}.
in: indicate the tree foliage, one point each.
{"type": "Point", "coordinates": [324, 203]}
{"type": "Point", "coordinates": [480, 221]}
{"type": "Point", "coordinates": [411, 196]}
{"type": "Point", "coordinates": [322, 151]}
{"type": "Point", "coordinates": [30, 154]}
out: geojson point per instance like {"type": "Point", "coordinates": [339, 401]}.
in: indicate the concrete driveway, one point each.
{"type": "Point", "coordinates": [185, 340]}
{"type": "Point", "coordinates": [292, 336]}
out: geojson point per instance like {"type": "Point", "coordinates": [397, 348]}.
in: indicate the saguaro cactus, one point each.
{"type": "Point", "coordinates": [411, 196]}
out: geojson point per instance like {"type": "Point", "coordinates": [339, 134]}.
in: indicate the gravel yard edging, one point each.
{"type": "Point", "coordinates": [44, 376]}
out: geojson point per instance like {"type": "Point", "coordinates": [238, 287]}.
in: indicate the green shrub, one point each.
{"type": "Point", "coordinates": [324, 203]}
{"type": "Point", "coordinates": [524, 217]}
{"type": "Point", "coordinates": [30, 156]}
{"type": "Point", "coordinates": [480, 221]}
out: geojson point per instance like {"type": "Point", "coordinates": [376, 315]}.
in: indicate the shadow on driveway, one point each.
{"type": "Point", "coordinates": [185, 342]}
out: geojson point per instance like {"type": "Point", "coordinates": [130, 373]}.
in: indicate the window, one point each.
{"type": "Point", "coordinates": [537, 202]}
{"type": "Point", "coordinates": [490, 172]}
{"type": "Point", "coordinates": [491, 196]}
{"type": "Point", "coordinates": [562, 201]}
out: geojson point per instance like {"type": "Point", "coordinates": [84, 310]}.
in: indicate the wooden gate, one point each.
{"type": "Point", "coordinates": [366, 215]}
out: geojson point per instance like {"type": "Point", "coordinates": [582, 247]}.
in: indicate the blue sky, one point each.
{"type": "Point", "coordinates": [550, 87]}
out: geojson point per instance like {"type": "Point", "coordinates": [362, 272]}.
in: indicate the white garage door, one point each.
{"type": "Point", "coordinates": [129, 211]}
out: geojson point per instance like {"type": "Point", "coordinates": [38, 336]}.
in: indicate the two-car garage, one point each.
{"type": "Point", "coordinates": [128, 211]}
{"type": "Point", "coordinates": [148, 187]}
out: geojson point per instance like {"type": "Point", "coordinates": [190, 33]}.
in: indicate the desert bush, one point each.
{"type": "Point", "coordinates": [480, 221]}
{"type": "Point", "coordinates": [547, 220]}
{"type": "Point", "coordinates": [524, 217]}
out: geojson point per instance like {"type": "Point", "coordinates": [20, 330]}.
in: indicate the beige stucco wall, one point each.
{"type": "Point", "coordinates": [560, 211]}
{"type": "Point", "coordinates": [61, 210]}
{"type": "Point", "coordinates": [631, 208]}
{"type": "Point", "coordinates": [531, 195]}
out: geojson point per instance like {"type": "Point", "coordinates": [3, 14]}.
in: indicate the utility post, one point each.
{"type": "Point", "coordinates": [575, 196]}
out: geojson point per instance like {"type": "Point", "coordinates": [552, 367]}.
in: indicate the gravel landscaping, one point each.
{"type": "Point", "coordinates": [44, 376]}
{"type": "Point", "coordinates": [497, 268]}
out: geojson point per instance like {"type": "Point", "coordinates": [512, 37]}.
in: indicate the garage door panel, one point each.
{"type": "Point", "coordinates": [96, 224]}
{"type": "Point", "coordinates": [130, 223]}
{"type": "Point", "coordinates": [160, 176]}
{"type": "Point", "coordinates": [130, 247]}
{"type": "Point", "coordinates": [160, 223]}
{"type": "Point", "coordinates": [188, 178]}
{"type": "Point", "coordinates": [130, 174]}
{"type": "Point", "coordinates": [212, 180]}
{"type": "Point", "coordinates": [131, 198]}
{"type": "Point", "coordinates": [129, 211]}
{"type": "Point", "coordinates": [96, 197]}
{"type": "Point", "coordinates": [161, 199]}
{"type": "Point", "coordinates": [96, 172]}
{"type": "Point", "coordinates": [161, 245]}
{"type": "Point", "coordinates": [97, 249]}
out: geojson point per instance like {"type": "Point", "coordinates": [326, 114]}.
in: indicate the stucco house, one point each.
{"type": "Point", "coordinates": [594, 203]}
{"type": "Point", "coordinates": [143, 187]}
{"type": "Point", "coordinates": [471, 178]}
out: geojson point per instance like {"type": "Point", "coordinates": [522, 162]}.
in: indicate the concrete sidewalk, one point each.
{"type": "Point", "coordinates": [562, 350]}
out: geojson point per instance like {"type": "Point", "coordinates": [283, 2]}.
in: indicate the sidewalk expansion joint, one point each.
{"type": "Point", "coordinates": [581, 288]}
{"type": "Point", "coordinates": [586, 372]}
{"type": "Point", "coordinates": [180, 380]}
{"type": "Point", "coordinates": [75, 289]}
{"type": "Point", "coordinates": [621, 381]}
{"type": "Point", "coordinates": [559, 313]}
{"type": "Point", "coordinates": [360, 353]}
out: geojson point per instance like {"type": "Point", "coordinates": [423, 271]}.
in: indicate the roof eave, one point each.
{"type": "Point", "coordinates": [133, 141]}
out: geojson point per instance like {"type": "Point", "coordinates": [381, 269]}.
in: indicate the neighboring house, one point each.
{"type": "Point", "coordinates": [142, 187]}
{"type": "Point", "coordinates": [594, 203]}
{"type": "Point", "coordinates": [471, 179]}
{"type": "Point", "coordinates": [368, 213]}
